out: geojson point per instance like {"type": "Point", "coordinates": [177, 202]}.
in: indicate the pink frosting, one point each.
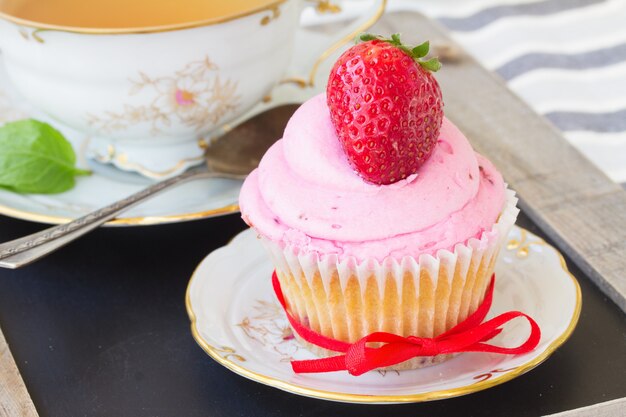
{"type": "Point", "coordinates": [306, 195]}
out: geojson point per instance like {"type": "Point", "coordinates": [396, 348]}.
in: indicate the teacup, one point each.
{"type": "Point", "coordinates": [150, 97]}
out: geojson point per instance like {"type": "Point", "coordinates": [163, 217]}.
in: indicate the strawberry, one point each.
{"type": "Point", "coordinates": [386, 107]}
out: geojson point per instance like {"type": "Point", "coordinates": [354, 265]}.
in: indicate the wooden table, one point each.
{"type": "Point", "coordinates": [14, 399]}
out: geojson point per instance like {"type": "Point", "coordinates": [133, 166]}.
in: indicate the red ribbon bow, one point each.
{"type": "Point", "coordinates": [358, 358]}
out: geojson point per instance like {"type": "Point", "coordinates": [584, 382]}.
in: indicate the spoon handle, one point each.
{"type": "Point", "coordinates": [22, 251]}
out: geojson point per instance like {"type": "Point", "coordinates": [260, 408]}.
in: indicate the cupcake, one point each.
{"type": "Point", "coordinates": [376, 212]}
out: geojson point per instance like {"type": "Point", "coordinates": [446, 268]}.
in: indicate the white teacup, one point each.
{"type": "Point", "coordinates": [149, 98]}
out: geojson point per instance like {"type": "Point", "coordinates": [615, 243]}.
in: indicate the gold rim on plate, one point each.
{"type": "Point", "coordinates": [122, 221]}
{"type": "Point", "coordinates": [214, 353]}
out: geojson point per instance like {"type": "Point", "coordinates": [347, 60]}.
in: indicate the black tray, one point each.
{"type": "Point", "coordinates": [100, 329]}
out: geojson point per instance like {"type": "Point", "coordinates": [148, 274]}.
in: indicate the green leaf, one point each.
{"type": "Point", "coordinates": [432, 64]}
{"type": "Point", "coordinates": [395, 38]}
{"type": "Point", "coordinates": [367, 37]}
{"type": "Point", "coordinates": [36, 158]}
{"type": "Point", "coordinates": [421, 50]}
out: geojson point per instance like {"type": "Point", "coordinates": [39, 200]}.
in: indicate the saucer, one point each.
{"type": "Point", "coordinates": [236, 319]}
{"type": "Point", "coordinates": [193, 200]}
{"type": "Point", "coordinates": [198, 199]}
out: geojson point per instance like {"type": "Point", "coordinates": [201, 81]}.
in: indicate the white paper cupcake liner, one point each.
{"type": "Point", "coordinates": [347, 299]}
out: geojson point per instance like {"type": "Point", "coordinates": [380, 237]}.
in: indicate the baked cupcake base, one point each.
{"type": "Point", "coordinates": [347, 300]}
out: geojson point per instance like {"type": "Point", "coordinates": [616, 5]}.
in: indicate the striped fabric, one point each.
{"type": "Point", "coordinates": [566, 58]}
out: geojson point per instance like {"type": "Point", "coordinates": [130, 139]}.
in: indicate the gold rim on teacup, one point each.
{"type": "Point", "coordinates": [137, 30]}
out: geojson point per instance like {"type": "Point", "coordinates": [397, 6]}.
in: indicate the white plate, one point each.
{"type": "Point", "coordinates": [237, 321]}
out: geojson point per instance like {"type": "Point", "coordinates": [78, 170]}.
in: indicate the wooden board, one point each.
{"type": "Point", "coordinates": [613, 408]}
{"type": "Point", "coordinates": [576, 204]}
{"type": "Point", "coordinates": [14, 399]}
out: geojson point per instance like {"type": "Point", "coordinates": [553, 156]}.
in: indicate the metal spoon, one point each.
{"type": "Point", "coordinates": [234, 155]}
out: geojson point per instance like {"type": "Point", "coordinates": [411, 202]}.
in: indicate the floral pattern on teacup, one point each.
{"type": "Point", "coordinates": [195, 96]}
